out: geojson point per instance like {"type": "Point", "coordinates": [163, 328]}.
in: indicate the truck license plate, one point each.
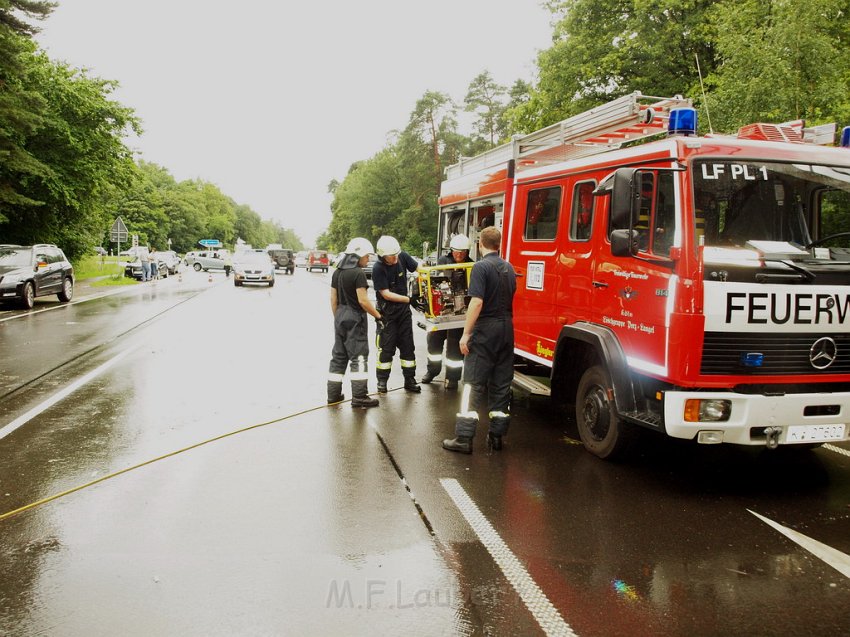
{"type": "Point", "coordinates": [814, 433]}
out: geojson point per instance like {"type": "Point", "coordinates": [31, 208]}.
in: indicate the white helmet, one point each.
{"type": "Point", "coordinates": [359, 246]}
{"type": "Point", "coordinates": [460, 242]}
{"type": "Point", "coordinates": [388, 246]}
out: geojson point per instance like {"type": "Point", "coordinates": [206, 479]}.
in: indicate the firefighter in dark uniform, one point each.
{"type": "Point", "coordinates": [389, 278]}
{"type": "Point", "coordinates": [488, 343]}
{"type": "Point", "coordinates": [350, 304]}
{"type": "Point", "coordinates": [454, 359]}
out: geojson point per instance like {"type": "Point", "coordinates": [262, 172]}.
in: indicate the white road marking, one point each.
{"type": "Point", "coordinates": [535, 600]}
{"type": "Point", "coordinates": [47, 404]}
{"type": "Point", "coordinates": [833, 557]}
{"type": "Point", "coordinates": [835, 449]}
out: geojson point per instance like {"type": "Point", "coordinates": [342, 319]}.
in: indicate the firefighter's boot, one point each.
{"type": "Point", "coordinates": [382, 384]}
{"type": "Point", "coordinates": [360, 395]}
{"type": "Point", "coordinates": [434, 368]}
{"type": "Point", "coordinates": [494, 442]}
{"type": "Point", "coordinates": [335, 392]}
{"type": "Point", "coordinates": [461, 444]}
{"type": "Point", "coordinates": [411, 385]}
{"type": "Point", "coordinates": [499, 423]}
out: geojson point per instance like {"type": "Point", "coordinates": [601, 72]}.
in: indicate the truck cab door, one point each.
{"type": "Point", "coordinates": [633, 291]}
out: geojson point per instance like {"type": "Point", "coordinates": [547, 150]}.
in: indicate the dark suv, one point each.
{"type": "Point", "coordinates": [30, 271]}
{"type": "Point", "coordinates": [283, 258]}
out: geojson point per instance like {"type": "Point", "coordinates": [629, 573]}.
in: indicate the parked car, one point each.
{"type": "Point", "coordinates": [373, 258]}
{"type": "Point", "coordinates": [301, 259]}
{"type": "Point", "coordinates": [318, 260]}
{"type": "Point", "coordinates": [283, 258]}
{"type": "Point", "coordinates": [253, 266]}
{"type": "Point", "coordinates": [38, 270]}
{"type": "Point", "coordinates": [171, 259]}
{"type": "Point", "coordinates": [101, 251]}
{"type": "Point", "coordinates": [133, 269]}
{"type": "Point", "coordinates": [206, 260]}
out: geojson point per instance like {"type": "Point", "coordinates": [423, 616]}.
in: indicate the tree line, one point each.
{"type": "Point", "coordinates": [741, 61]}
{"type": "Point", "coordinates": [66, 172]}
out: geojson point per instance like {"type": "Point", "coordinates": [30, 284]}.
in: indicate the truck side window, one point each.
{"type": "Point", "coordinates": [664, 219]}
{"type": "Point", "coordinates": [581, 217]}
{"type": "Point", "coordinates": [541, 213]}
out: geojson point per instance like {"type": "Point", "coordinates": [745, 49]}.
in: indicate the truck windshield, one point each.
{"type": "Point", "coordinates": [737, 202]}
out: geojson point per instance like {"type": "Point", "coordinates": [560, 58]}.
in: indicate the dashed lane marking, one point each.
{"type": "Point", "coordinates": [833, 557]}
{"type": "Point", "coordinates": [61, 395]}
{"type": "Point", "coordinates": [535, 600]}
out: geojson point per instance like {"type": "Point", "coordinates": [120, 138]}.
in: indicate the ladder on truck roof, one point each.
{"type": "Point", "coordinates": [628, 118]}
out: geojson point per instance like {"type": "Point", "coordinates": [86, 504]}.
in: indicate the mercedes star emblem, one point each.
{"type": "Point", "coordinates": [823, 353]}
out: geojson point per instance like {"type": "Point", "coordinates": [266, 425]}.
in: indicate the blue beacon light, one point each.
{"type": "Point", "coordinates": [845, 137]}
{"type": "Point", "coordinates": [683, 121]}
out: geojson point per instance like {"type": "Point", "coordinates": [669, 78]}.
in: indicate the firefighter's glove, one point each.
{"type": "Point", "coordinates": [418, 302]}
{"type": "Point", "coordinates": [380, 324]}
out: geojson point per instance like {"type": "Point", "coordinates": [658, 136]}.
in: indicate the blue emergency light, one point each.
{"type": "Point", "coordinates": [752, 359]}
{"type": "Point", "coordinates": [683, 121]}
{"type": "Point", "coordinates": [845, 137]}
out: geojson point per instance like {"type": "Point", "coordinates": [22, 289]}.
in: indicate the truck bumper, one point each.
{"type": "Point", "coordinates": [756, 419]}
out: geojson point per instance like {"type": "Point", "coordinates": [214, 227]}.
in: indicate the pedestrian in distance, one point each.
{"type": "Point", "coordinates": [458, 253]}
{"type": "Point", "coordinates": [153, 265]}
{"type": "Point", "coordinates": [389, 278]}
{"type": "Point", "coordinates": [350, 304]}
{"type": "Point", "coordinates": [488, 344]}
{"type": "Point", "coordinates": [144, 259]}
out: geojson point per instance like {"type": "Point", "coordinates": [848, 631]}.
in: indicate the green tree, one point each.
{"type": "Point", "coordinates": [485, 98]}
{"type": "Point", "coordinates": [433, 122]}
{"type": "Point", "coordinates": [82, 161]}
{"type": "Point", "coordinates": [782, 60]}
{"type": "Point", "coordinates": [603, 49]}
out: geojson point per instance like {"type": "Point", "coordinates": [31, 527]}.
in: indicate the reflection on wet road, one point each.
{"type": "Point", "coordinates": [339, 521]}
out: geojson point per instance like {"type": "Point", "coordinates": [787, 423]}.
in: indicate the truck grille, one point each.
{"type": "Point", "coordinates": [783, 354]}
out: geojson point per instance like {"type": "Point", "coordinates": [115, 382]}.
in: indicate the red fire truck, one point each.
{"type": "Point", "coordinates": [695, 286]}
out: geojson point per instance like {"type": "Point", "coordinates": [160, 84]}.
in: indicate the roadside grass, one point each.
{"type": "Point", "coordinates": [102, 271]}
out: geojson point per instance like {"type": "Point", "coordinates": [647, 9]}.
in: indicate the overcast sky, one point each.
{"type": "Point", "coordinates": [270, 101]}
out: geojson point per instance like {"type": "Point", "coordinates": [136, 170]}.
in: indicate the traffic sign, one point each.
{"type": "Point", "coordinates": [210, 243]}
{"type": "Point", "coordinates": [118, 232]}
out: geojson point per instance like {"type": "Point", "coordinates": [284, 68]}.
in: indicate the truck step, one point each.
{"type": "Point", "coordinates": [531, 385]}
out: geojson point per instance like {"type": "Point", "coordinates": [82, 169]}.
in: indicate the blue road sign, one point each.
{"type": "Point", "coordinates": [210, 243]}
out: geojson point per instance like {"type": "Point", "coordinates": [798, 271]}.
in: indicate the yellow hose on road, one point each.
{"type": "Point", "coordinates": [62, 494]}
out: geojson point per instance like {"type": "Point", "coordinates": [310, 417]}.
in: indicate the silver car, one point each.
{"type": "Point", "coordinates": [253, 266]}
{"type": "Point", "coordinates": [205, 260]}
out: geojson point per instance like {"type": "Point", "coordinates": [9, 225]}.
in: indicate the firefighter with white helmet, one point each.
{"type": "Point", "coordinates": [350, 304]}
{"type": "Point", "coordinates": [458, 253]}
{"type": "Point", "coordinates": [389, 278]}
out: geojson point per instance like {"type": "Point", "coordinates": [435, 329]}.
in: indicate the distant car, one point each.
{"type": "Point", "coordinates": [206, 260]}
{"type": "Point", "coordinates": [133, 269]}
{"type": "Point", "coordinates": [283, 258]}
{"type": "Point", "coordinates": [253, 266]}
{"type": "Point", "coordinates": [100, 251]}
{"type": "Point", "coordinates": [38, 270]}
{"type": "Point", "coordinates": [318, 260]}
{"type": "Point", "coordinates": [373, 259]}
{"type": "Point", "coordinates": [170, 259]}
{"type": "Point", "coordinates": [301, 259]}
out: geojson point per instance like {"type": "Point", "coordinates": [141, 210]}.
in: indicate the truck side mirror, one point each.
{"type": "Point", "coordinates": [625, 197]}
{"type": "Point", "coordinates": [624, 243]}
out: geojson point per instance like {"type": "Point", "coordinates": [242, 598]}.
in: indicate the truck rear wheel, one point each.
{"type": "Point", "coordinates": [602, 432]}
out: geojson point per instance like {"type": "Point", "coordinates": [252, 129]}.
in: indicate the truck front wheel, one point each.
{"type": "Point", "coordinates": [602, 432]}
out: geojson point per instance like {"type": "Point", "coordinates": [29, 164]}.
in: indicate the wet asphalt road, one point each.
{"type": "Point", "coordinates": [333, 521]}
